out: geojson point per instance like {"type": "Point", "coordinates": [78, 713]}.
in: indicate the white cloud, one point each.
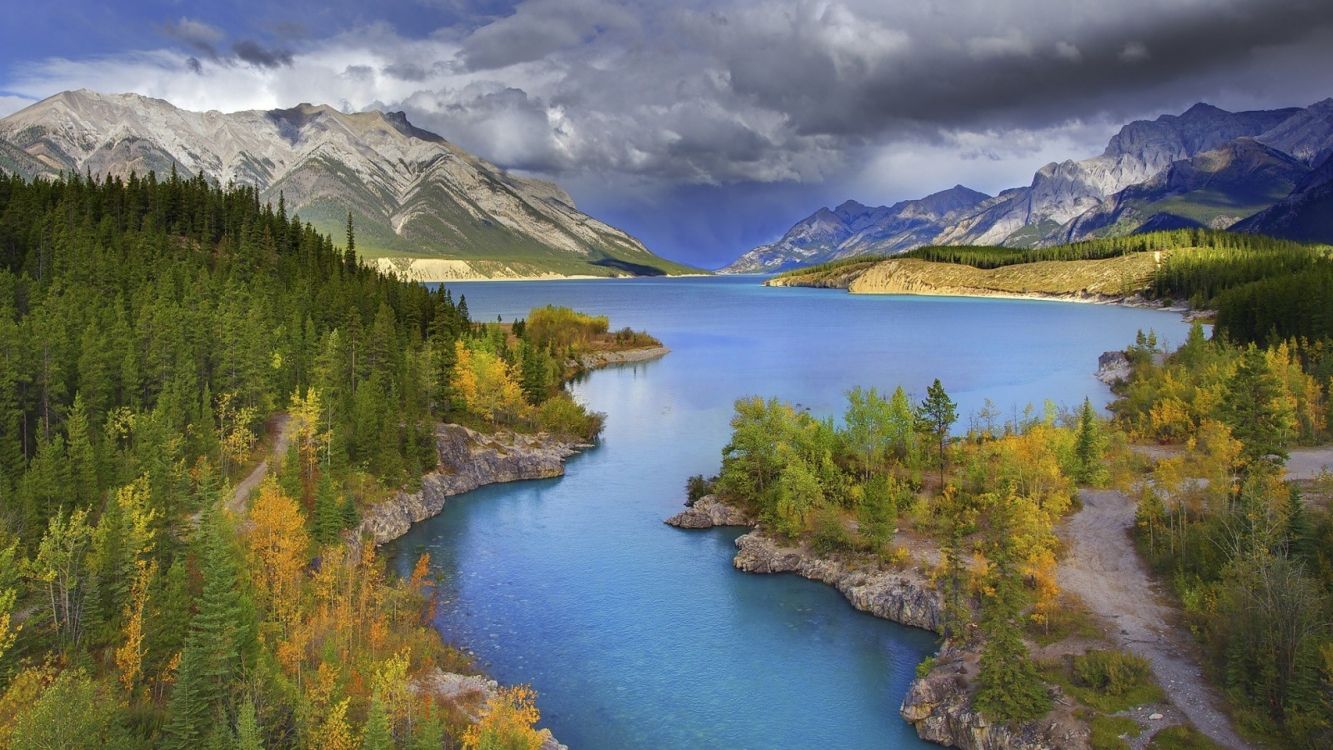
{"type": "Point", "coordinates": [1011, 44]}
{"type": "Point", "coordinates": [1134, 52]}
{"type": "Point", "coordinates": [1068, 51]}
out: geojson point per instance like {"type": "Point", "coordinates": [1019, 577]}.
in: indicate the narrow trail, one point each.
{"type": "Point", "coordinates": [1104, 569]}
{"type": "Point", "coordinates": [280, 425]}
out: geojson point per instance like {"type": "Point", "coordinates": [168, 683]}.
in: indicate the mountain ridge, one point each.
{"type": "Point", "coordinates": [1071, 200]}
{"type": "Point", "coordinates": [412, 192]}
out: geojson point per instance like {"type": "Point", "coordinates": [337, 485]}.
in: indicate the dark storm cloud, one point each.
{"type": "Point", "coordinates": [951, 71]}
{"type": "Point", "coordinates": [406, 71]}
{"type": "Point", "coordinates": [200, 37]}
{"type": "Point", "coordinates": [254, 53]}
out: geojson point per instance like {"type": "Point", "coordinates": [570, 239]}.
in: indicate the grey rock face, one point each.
{"type": "Point", "coordinates": [1064, 201]}
{"type": "Point", "coordinates": [905, 597]}
{"type": "Point", "coordinates": [468, 460]}
{"type": "Point", "coordinates": [470, 693]}
{"type": "Point", "coordinates": [708, 512]}
{"type": "Point", "coordinates": [412, 191]}
{"type": "Point", "coordinates": [1113, 367]}
{"type": "Point", "coordinates": [939, 706]}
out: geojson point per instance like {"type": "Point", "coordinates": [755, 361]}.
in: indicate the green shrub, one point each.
{"type": "Point", "coordinates": [562, 415]}
{"type": "Point", "coordinates": [697, 487]}
{"type": "Point", "coordinates": [830, 534]}
{"type": "Point", "coordinates": [1113, 672]}
{"type": "Point", "coordinates": [925, 666]}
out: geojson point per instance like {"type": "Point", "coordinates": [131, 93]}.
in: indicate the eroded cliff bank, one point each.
{"type": "Point", "coordinates": [468, 460]}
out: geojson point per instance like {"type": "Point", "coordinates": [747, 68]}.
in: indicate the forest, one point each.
{"type": "Point", "coordinates": [149, 331]}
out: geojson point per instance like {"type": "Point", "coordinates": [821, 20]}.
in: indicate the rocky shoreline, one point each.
{"type": "Point", "coordinates": [596, 360]}
{"type": "Point", "coordinates": [938, 704]}
{"type": "Point", "coordinates": [467, 460]}
{"type": "Point", "coordinates": [470, 693]}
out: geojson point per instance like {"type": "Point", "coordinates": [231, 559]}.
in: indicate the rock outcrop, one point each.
{"type": "Point", "coordinates": [707, 512]}
{"type": "Point", "coordinates": [939, 705]}
{"type": "Point", "coordinates": [595, 360]}
{"type": "Point", "coordinates": [468, 460]}
{"type": "Point", "coordinates": [469, 693]}
{"type": "Point", "coordinates": [1113, 367]}
{"type": "Point", "coordinates": [906, 597]}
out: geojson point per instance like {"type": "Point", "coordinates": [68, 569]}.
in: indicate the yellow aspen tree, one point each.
{"type": "Point", "coordinates": [335, 733]}
{"type": "Point", "coordinates": [277, 542]}
{"type": "Point", "coordinates": [129, 656]}
{"type": "Point", "coordinates": [508, 722]}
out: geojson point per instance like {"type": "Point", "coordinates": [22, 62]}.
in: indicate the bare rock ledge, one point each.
{"type": "Point", "coordinates": [468, 460]}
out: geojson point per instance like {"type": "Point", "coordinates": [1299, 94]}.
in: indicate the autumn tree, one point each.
{"type": "Point", "coordinates": [486, 384]}
{"type": "Point", "coordinates": [508, 722]}
{"type": "Point", "coordinates": [277, 543]}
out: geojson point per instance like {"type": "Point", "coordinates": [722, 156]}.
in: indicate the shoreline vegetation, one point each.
{"type": "Point", "coordinates": [149, 330]}
{"type": "Point", "coordinates": [1198, 272]}
{"type": "Point", "coordinates": [1036, 541]}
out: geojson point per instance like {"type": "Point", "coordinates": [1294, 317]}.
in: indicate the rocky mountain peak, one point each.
{"type": "Point", "coordinates": [412, 193]}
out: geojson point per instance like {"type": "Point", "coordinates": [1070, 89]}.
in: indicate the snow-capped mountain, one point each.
{"type": "Point", "coordinates": [411, 192]}
{"type": "Point", "coordinates": [1205, 166]}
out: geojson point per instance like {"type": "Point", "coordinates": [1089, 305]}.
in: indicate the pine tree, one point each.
{"type": "Point", "coordinates": [249, 736]}
{"type": "Point", "coordinates": [1009, 690]}
{"type": "Point", "coordinates": [377, 734]}
{"type": "Point", "coordinates": [328, 516]}
{"type": "Point", "coordinates": [1087, 446]}
{"type": "Point", "coordinates": [349, 254]}
{"type": "Point", "coordinates": [1258, 412]}
{"type": "Point", "coordinates": [429, 735]}
{"type": "Point", "coordinates": [216, 644]}
{"type": "Point", "coordinates": [935, 416]}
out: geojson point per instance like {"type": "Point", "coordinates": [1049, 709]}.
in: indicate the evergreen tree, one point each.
{"type": "Point", "coordinates": [349, 254]}
{"type": "Point", "coordinates": [429, 735]}
{"type": "Point", "coordinates": [878, 511]}
{"type": "Point", "coordinates": [377, 734]}
{"type": "Point", "coordinates": [935, 416]}
{"type": "Point", "coordinates": [1258, 412]}
{"type": "Point", "coordinates": [1087, 446]}
{"type": "Point", "coordinates": [217, 643]}
{"type": "Point", "coordinates": [1009, 690]}
{"type": "Point", "coordinates": [328, 516]}
{"type": "Point", "coordinates": [249, 736]}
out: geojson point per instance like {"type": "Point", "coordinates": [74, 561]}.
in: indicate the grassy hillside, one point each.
{"type": "Point", "coordinates": [1108, 278]}
{"type": "Point", "coordinates": [1262, 288]}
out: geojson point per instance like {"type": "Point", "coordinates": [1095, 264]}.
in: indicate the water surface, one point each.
{"type": "Point", "coordinates": [637, 635]}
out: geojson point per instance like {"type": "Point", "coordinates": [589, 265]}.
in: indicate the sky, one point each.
{"type": "Point", "coordinates": [704, 128]}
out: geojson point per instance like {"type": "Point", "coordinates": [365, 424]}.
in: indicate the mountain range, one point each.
{"type": "Point", "coordinates": [420, 204]}
{"type": "Point", "coordinates": [1265, 171]}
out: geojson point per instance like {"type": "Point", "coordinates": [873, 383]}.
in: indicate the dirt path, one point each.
{"type": "Point", "coordinates": [1305, 463]}
{"type": "Point", "coordinates": [279, 426]}
{"type": "Point", "coordinates": [1104, 569]}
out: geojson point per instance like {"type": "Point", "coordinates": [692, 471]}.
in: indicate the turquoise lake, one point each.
{"type": "Point", "coordinates": [638, 635]}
